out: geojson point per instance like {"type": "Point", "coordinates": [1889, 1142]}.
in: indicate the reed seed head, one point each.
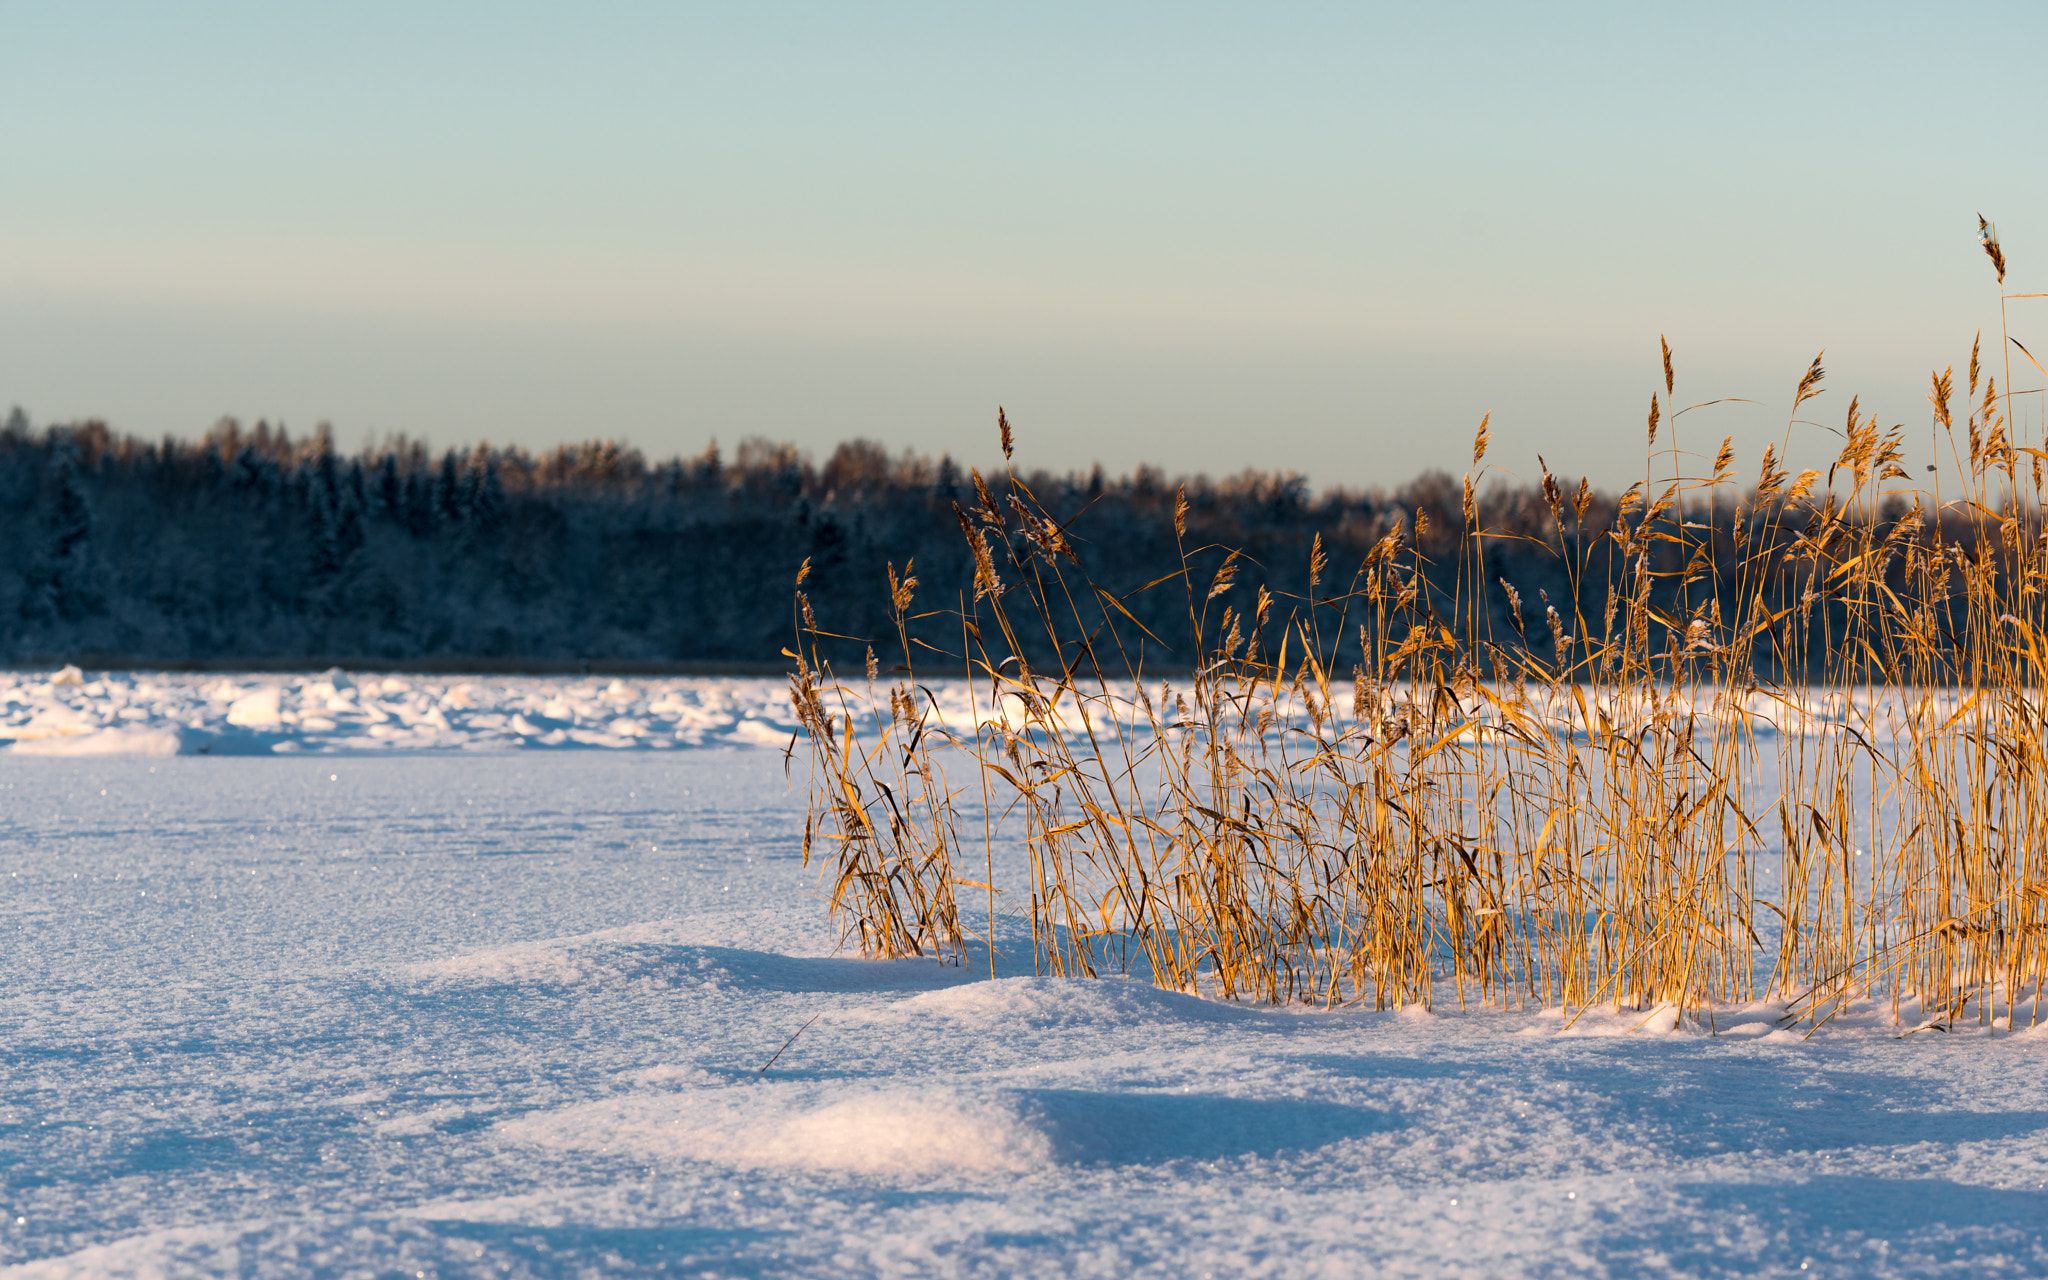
{"type": "Point", "coordinates": [1988, 235]}
{"type": "Point", "coordinates": [900, 592]}
{"type": "Point", "coordinates": [1225, 576]}
{"type": "Point", "coordinates": [990, 513]}
{"type": "Point", "coordinates": [1809, 384]}
{"type": "Point", "coordinates": [1944, 383]}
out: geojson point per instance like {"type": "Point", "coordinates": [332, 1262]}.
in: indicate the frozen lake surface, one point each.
{"type": "Point", "coordinates": [504, 1014]}
{"type": "Point", "coordinates": [73, 712]}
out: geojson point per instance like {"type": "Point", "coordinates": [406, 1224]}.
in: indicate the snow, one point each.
{"type": "Point", "coordinates": [506, 1012]}
{"type": "Point", "coordinates": [334, 713]}
{"type": "Point", "coordinates": [118, 741]}
{"type": "Point", "coordinates": [71, 712]}
{"type": "Point", "coordinates": [259, 710]}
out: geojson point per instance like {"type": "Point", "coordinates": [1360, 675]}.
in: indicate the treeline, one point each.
{"type": "Point", "coordinates": [250, 544]}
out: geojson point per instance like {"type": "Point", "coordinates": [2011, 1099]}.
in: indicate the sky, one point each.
{"type": "Point", "coordinates": [1318, 238]}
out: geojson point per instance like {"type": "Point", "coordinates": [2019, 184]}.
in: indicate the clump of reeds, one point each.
{"type": "Point", "coordinates": [878, 794]}
{"type": "Point", "coordinates": [1565, 814]}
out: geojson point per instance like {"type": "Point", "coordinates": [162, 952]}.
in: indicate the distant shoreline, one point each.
{"type": "Point", "coordinates": [471, 666]}
{"type": "Point", "coordinates": [450, 665]}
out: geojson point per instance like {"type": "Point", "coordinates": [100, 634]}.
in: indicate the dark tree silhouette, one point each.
{"type": "Point", "coordinates": [249, 545]}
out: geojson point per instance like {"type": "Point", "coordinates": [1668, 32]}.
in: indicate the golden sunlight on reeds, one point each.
{"type": "Point", "coordinates": [1797, 752]}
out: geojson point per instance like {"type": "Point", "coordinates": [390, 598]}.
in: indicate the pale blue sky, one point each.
{"type": "Point", "coordinates": [1214, 236]}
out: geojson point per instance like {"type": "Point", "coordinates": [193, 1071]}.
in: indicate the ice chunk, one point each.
{"type": "Point", "coordinates": [260, 709]}
{"type": "Point", "coordinates": [61, 723]}
{"type": "Point", "coordinates": [336, 697]}
{"type": "Point", "coordinates": [760, 734]}
{"type": "Point", "coordinates": [109, 742]}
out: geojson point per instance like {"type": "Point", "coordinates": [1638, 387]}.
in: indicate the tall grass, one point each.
{"type": "Point", "coordinates": [1798, 752]}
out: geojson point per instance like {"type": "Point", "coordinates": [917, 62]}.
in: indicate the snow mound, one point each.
{"type": "Point", "coordinates": [1049, 1003]}
{"type": "Point", "coordinates": [336, 1244]}
{"type": "Point", "coordinates": [882, 1131]}
{"type": "Point", "coordinates": [905, 1132]}
{"type": "Point", "coordinates": [108, 742]}
{"type": "Point", "coordinates": [175, 1251]}
{"type": "Point", "coordinates": [654, 956]}
{"type": "Point", "coordinates": [1773, 1022]}
{"type": "Point", "coordinates": [928, 1128]}
{"type": "Point", "coordinates": [635, 957]}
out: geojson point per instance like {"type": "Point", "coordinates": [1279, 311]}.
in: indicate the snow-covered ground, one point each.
{"type": "Point", "coordinates": [441, 1013]}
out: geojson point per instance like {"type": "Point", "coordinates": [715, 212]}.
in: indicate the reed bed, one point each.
{"type": "Point", "coordinates": [1796, 752]}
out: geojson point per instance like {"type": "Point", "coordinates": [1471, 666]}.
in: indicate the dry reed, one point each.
{"type": "Point", "coordinates": [1570, 815]}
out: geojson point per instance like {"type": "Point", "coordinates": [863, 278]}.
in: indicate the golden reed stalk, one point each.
{"type": "Point", "coordinates": [1459, 816]}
